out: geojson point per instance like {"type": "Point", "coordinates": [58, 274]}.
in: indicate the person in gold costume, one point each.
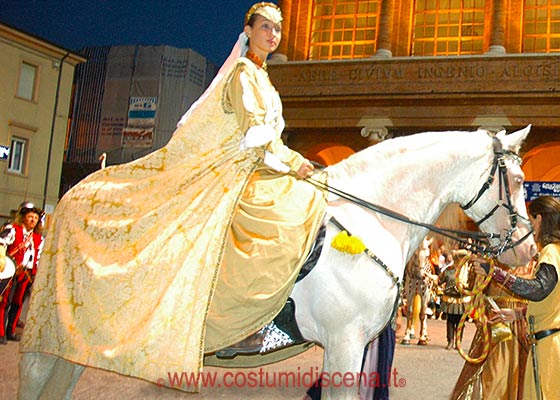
{"type": "Point", "coordinates": [537, 370]}
{"type": "Point", "coordinates": [501, 374]}
{"type": "Point", "coordinates": [150, 265]}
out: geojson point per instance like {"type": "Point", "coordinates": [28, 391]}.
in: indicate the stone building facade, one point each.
{"type": "Point", "coordinates": [35, 95]}
{"type": "Point", "coordinates": [353, 72]}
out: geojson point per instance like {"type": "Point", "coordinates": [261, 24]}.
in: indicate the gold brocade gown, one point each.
{"type": "Point", "coordinates": [128, 276]}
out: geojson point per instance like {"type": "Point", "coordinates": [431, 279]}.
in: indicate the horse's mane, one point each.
{"type": "Point", "coordinates": [403, 146]}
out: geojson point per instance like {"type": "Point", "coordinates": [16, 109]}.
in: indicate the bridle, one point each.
{"type": "Point", "coordinates": [499, 165]}
{"type": "Point", "coordinates": [479, 241]}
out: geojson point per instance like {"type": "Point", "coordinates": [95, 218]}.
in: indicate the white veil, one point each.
{"type": "Point", "coordinates": [255, 136]}
{"type": "Point", "coordinates": [239, 50]}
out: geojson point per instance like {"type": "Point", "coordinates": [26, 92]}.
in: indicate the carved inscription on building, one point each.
{"type": "Point", "coordinates": [451, 72]}
{"type": "Point", "coordinates": [318, 75]}
{"type": "Point", "coordinates": [551, 71]}
{"type": "Point", "coordinates": [376, 73]}
{"type": "Point", "coordinates": [489, 75]}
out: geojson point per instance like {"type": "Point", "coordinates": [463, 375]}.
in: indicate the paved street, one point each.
{"type": "Point", "coordinates": [426, 373]}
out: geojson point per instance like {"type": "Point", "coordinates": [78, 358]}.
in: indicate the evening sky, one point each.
{"type": "Point", "coordinates": [208, 27]}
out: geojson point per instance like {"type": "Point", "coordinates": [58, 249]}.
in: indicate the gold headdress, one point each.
{"type": "Point", "coordinates": [268, 10]}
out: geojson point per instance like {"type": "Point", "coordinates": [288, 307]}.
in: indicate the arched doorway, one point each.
{"type": "Point", "coordinates": [329, 153]}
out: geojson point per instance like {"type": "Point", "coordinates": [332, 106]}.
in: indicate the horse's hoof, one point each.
{"type": "Point", "coordinates": [422, 342]}
{"type": "Point", "coordinates": [405, 341]}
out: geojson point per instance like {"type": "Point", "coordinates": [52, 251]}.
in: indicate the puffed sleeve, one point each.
{"type": "Point", "coordinates": [544, 281]}
{"type": "Point", "coordinates": [259, 114]}
{"type": "Point", "coordinates": [7, 235]}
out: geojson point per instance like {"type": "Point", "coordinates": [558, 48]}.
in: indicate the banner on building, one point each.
{"type": "Point", "coordinates": [142, 112]}
{"type": "Point", "coordinates": [137, 137]}
{"type": "Point", "coordinates": [534, 189]}
{"type": "Point", "coordinates": [139, 131]}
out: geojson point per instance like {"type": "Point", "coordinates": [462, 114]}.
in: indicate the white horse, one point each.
{"type": "Point", "coordinates": [348, 299]}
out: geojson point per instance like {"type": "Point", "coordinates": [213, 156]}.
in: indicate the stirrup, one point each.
{"type": "Point", "coordinates": [250, 345]}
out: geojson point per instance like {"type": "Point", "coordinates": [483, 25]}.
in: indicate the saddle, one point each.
{"type": "Point", "coordinates": [314, 253]}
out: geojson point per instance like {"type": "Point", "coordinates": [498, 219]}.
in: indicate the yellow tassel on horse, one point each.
{"type": "Point", "coordinates": [348, 244]}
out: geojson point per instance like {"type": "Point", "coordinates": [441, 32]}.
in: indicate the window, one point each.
{"type": "Point", "coordinates": [16, 160]}
{"type": "Point", "coordinates": [344, 29]}
{"type": "Point", "coordinates": [27, 81]}
{"type": "Point", "coordinates": [448, 27]}
{"type": "Point", "coordinates": [541, 26]}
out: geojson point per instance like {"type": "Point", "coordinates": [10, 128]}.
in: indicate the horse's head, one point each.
{"type": "Point", "coordinates": [499, 208]}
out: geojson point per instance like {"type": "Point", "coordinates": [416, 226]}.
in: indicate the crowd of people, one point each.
{"type": "Point", "coordinates": [520, 356]}
{"type": "Point", "coordinates": [446, 270]}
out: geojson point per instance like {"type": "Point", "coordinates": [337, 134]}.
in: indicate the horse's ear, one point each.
{"type": "Point", "coordinates": [514, 140]}
{"type": "Point", "coordinates": [501, 134]}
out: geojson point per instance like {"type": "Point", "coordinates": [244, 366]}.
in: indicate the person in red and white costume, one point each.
{"type": "Point", "coordinates": [24, 245]}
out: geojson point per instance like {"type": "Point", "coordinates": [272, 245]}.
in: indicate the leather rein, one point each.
{"type": "Point", "coordinates": [480, 240]}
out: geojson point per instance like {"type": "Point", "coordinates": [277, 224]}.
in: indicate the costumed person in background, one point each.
{"type": "Point", "coordinates": [189, 249]}
{"type": "Point", "coordinates": [7, 268]}
{"type": "Point", "coordinates": [512, 365]}
{"type": "Point", "coordinates": [452, 300]}
{"type": "Point", "coordinates": [24, 245]}
{"type": "Point", "coordinates": [501, 374]}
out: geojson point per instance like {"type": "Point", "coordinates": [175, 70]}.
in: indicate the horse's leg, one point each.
{"type": "Point", "coordinates": [423, 318]}
{"type": "Point", "coordinates": [64, 378]}
{"type": "Point", "coordinates": [409, 331]}
{"type": "Point", "coordinates": [342, 363]}
{"type": "Point", "coordinates": [35, 370]}
{"type": "Point", "coordinates": [408, 310]}
{"type": "Point", "coordinates": [423, 339]}
{"type": "Point", "coordinates": [47, 376]}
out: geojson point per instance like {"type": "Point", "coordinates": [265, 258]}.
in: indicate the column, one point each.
{"type": "Point", "coordinates": [497, 31]}
{"type": "Point", "coordinates": [384, 35]}
{"type": "Point", "coordinates": [280, 55]}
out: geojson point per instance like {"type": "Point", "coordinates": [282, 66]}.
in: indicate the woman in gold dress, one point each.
{"type": "Point", "coordinates": [151, 264]}
{"type": "Point", "coordinates": [277, 212]}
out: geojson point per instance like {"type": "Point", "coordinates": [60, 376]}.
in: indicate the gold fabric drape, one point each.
{"type": "Point", "coordinates": [131, 262]}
